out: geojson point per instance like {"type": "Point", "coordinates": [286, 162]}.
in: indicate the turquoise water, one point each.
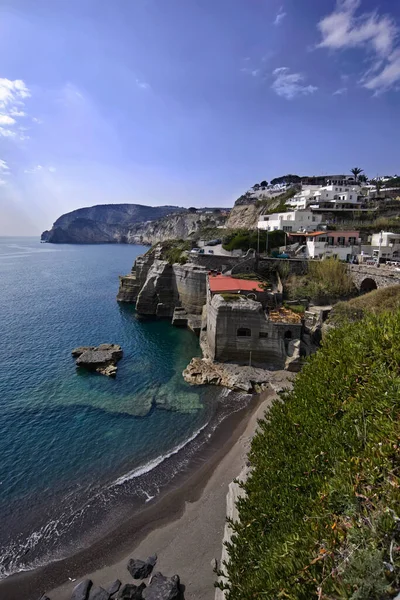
{"type": "Point", "coordinates": [74, 446]}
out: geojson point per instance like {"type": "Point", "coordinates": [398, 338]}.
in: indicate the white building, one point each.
{"type": "Point", "coordinates": [384, 245]}
{"type": "Point", "coordinates": [327, 198]}
{"type": "Point", "coordinates": [297, 220]}
{"type": "Point", "coordinates": [324, 244]}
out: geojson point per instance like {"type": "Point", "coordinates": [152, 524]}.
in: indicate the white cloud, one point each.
{"type": "Point", "coordinates": [280, 16]}
{"type": "Point", "coordinates": [3, 182]}
{"type": "Point", "coordinates": [340, 91]}
{"type": "Point", "coordinates": [3, 166]}
{"type": "Point", "coordinates": [6, 120]}
{"type": "Point", "coordinates": [36, 120]}
{"type": "Point", "coordinates": [375, 33]}
{"type": "Point", "coordinates": [142, 84]}
{"type": "Point", "coordinates": [13, 94]}
{"type": "Point", "coordinates": [289, 85]}
{"type": "Point", "coordinates": [40, 168]}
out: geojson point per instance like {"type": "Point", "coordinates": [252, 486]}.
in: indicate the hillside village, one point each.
{"type": "Point", "coordinates": [258, 295]}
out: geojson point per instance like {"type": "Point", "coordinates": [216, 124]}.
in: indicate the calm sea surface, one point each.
{"type": "Point", "coordinates": [78, 449]}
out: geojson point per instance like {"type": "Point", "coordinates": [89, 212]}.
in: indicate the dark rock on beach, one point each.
{"type": "Point", "coordinates": [162, 588]}
{"type": "Point", "coordinates": [129, 591]}
{"type": "Point", "coordinates": [140, 569]}
{"type": "Point", "coordinates": [81, 591]}
{"type": "Point", "coordinates": [102, 359]}
{"type": "Point", "coordinates": [114, 587]}
{"type": "Point", "coordinates": [99, 593]}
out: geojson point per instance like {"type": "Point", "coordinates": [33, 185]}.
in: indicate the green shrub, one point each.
{"type": "Point", "coordinates": [375, 302]}
{"type": "Point", "coordinates": [320, 516]}
{"type": "Point", "coordinates": [244, 239]}
{"type": "Point", "coordinates": [231, 297]}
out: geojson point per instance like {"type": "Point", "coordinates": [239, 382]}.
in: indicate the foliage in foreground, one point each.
{"type": "Point", "coordinates": [326, 281]}
{"type": "Point", "coordinates": [375, 302]}
{"type": "Point", "coordinates": [320, 518]}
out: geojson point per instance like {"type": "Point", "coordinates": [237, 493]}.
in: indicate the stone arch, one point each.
{"type": "Point", "coordinates": [368, 285]}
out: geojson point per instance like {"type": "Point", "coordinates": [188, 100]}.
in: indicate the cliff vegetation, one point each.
{"type": "Point", "coordinates": [321, 513]}
{"type": "Point", "coordinates": [244, 239]}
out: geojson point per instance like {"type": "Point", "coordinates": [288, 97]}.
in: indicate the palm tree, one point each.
{"type": "Point", "coordinates": [363, 179]}
{"type": "Point", "coordinates": [356, 172]}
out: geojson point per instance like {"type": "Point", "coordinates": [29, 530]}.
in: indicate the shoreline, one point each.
{"type": "Point", "coordinates": [109, 555]}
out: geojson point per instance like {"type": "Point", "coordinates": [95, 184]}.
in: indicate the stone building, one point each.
{"type": "Point", "coordinates": [244, 330]}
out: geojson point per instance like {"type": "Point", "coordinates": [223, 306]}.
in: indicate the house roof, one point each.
{"type": "Point", "coordinates": [224, 283]}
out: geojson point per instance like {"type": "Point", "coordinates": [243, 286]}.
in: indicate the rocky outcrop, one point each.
{"type": "Point", "coordinates": [102, 359]}
{"type": "Point", "coordinates": [81, 591]}
{"type": "Point", "coordinates": [129, 591]}
{"type": "Point", "coordinates": [244, 216]}
{"type": "Point", "coordinates": [141, 569]}
{"type": "Point", "coordinates": [158, 287]}
{"type": "Point", "coordinates": [105, 223]}
{"type": "Point", "coordinates": [163, 588]}
{"type": "Point", "coordinates": [247, 379]}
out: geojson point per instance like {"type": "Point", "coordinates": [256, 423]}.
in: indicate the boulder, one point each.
{"type": "Point", "coordinates": [162, 588]}
{"type": "Point", "coordinates": [102, 359]}
{"type": "Point", "coordinates": [44, 597]}
{"type": "Point", "coordinates": [114, 587]}
{"type": "Point", "coordinates": [140, 569]}
{"type": "Point", "coordinates": [129, 591]}
{"type": "Point", "coordinates": [81, 591]}
{"type": "Point", "coordinates": [98, 593]}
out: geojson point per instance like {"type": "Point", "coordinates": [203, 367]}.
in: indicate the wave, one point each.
{"type": "Point", "coordinates": [152, 464]}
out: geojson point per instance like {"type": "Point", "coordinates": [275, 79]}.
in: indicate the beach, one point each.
{"type": "Point", "coordinates": [184, 527]}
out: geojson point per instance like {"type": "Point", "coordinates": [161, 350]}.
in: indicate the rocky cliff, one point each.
{"type": "Point", "coordinates": [129, 224]}
{"type": "Point", "coordinates": [247, 210]}
{"type": "Point", "coordinates": [158, 287]}
{"type": "Point", "coordinates": [108, 223]}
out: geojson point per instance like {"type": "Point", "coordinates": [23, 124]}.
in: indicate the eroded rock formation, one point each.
{"type": "Point", "coordinates": [102, 359]}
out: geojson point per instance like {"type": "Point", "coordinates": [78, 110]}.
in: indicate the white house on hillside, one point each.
{"type": "Point", "coordinates": [297, 220]}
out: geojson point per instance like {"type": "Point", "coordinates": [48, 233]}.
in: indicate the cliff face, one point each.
{"type": "Point", "coordinates": [244, 216]}
{"type": "Point", "coordinates": [129, 224]}
{"type": "Point", "coordinates": [158, 288]}
{"type": "Point", "coordinates": [172, 227]}
{"type": "Point", "coordinates": [108, 223]}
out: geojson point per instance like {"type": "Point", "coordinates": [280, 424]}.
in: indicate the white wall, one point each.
{"type": "Point", "coordinates": [290, 221]}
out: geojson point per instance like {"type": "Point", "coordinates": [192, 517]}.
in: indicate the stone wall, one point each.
{"type": "Point", "coordinates": [382, 276]}
{"type": "Point", "coordinates": [225, 318]}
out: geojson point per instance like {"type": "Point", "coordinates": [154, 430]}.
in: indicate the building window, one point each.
{"type": "Point", "coordinates": [351, 197]}
{"type": "Point", "coordinates": [263, 334]}
{"type": "Point", "coordinates": [352, 240]}
{"type": "Point", "coordinates": [341, 241]}
{"type": "Point", "coordinates": [287, 228]}
{"type": "Point", "coordinates": [243, 332]}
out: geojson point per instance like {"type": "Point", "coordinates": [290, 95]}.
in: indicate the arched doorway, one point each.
{"type": "Point", "coordinates": [368, 285]}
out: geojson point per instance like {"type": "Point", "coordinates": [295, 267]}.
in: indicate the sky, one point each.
{"type": "Point", "coordinates": [188, 102]}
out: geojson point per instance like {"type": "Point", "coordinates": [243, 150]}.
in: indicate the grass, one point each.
{"type": "Point", "coordinates": [231, 297]}
{"type": "Point", "coordinates": [326, 281]}
{"type": "Point", "coordinates": [173, 251]}
{"type": "Point", "coordinates": [376, 302]}
{"type": "Point", "coordinates": [278, 203]}
{"type": "Point", "coordinates": [299, 309]}
{"type": "Point", "coordinates": [321, 511]}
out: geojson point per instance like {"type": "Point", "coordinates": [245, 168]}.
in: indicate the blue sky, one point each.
{"type": "Point", "coordinates": [188, 102]}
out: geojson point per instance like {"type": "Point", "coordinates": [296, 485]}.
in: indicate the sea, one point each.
{"type": "Point", "coordinates": [80, 451]}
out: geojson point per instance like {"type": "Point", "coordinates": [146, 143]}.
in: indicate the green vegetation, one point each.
{"type": "Point", "coordinates": [299, 309]}
{"type": "Point", "coordinates": [248, 276]}
{"type": "Point", "coordinates": [326, 281]}
{"type": "Point", "coordinates": [174, 251]}
{"type": "Point", "coordinates": [321, 514]}
{"type": "Point", "coordinates": [244, 239]}
{"type": "Point", "coordinates": [376, 302]}
{"type": "Point", "coordinates": [356, 172]}
{"type": "Point", "coordinates": [231, 297]}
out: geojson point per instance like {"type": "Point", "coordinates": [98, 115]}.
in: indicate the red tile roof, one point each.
{"type": "Point", "coordinates": [223, 283]}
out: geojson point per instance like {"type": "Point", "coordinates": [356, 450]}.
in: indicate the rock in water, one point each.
{"type": "Point", "coordinates": [129, 591]}
{"type": "Point", "coordinates": [140, 569]}
{"type": "Point", "coordinates": [99, 593]}
{"type": "Point", "coordinates": [81, 591]}
{"type": "Point", "coordinates": [102, 359]}
{"type": "Point", "coordinates": [114, 587]}
{"type": "Point", "coordinates": [162, 588]}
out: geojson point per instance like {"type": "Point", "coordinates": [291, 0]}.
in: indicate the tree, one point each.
{"type": "Point", "coordinates": [363, 179]}
{"type": "Point", "coordinates": [264, 183]}
{"type": "Point", "coordinates": [356, 172]}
